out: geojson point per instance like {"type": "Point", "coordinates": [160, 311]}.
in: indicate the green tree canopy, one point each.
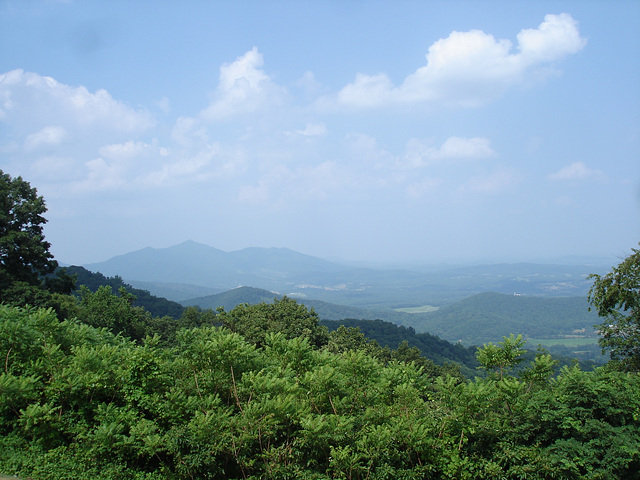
{"type": "Point", "coordinates": [284, 315]}
{"type": "Point", "coordinates": [115, 312]}
{"type": "Point", "coordinates": [616, 298]}
{"type": "Point", "coordinates": [24, 253]}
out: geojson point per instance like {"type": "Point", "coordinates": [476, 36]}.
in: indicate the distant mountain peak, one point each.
{"type": "Point", "coordinates": [191, 244]}
{"type": "Point", "coordinates": [195, 263]}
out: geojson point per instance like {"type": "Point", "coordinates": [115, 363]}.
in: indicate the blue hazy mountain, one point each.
{"type": "Point", "coordinates": [198, 264]}
{"type": "Point", "coordinates": [281, 270]}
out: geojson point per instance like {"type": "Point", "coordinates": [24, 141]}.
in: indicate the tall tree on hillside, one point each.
{"type": "Point", "coordinates": [24, 253]}
{"type": "Point", "coordinates": [616, 298]}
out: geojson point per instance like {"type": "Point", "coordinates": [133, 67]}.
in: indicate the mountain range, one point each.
{"type": "Point", "coordinates": [473, 304]}
{"type": "Point", "coordinates": [189, 270]}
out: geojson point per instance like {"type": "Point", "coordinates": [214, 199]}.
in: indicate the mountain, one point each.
{"type": "Point", "coordinates": [197, 264]}
{"type": "Point", "coordinates": [182, 271]}
{"type": "Point", "coordinates": [488, 316]}
{"type": "Point", "coordinates": [229, 299]}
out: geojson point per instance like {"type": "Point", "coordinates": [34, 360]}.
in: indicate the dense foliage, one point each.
{"type": "Point", "coordinates": [156, 306]}
{"type": "Point", "coordinates": [79, 402]}
{"type": "Point", "coordinates": [389, 335]}
{"type": "Point", "coordinates": [284, 316]}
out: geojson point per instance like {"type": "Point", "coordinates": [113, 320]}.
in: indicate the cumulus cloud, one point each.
{"type": "Point", "coordinates": [91, 142]}
{"type": "Point", "coordinates": [457, 147]}
{"type": "Point", "coordinates": [470, 68]}
{"type": "Point", "coordinates": [419, 153]}
{"type": "Point", "coordinates": [576, 171]}
{"type": "Point", "coordinates": [30, 100]}
{"type": "Point", "coordinates": [47, 137]}
{"type": "Point", "coordinates": [243, 87]}
{"type": "Point", "coordinates": [175, 170]}
{"type": "Point", "coordinates": [124, 151]}
{"type": "Point", "coordinates": [101, 175]}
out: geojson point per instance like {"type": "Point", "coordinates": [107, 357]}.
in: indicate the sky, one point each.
{"type": "Point", "coordinates": [377, 131]}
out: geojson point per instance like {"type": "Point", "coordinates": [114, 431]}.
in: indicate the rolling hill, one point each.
{"type": "Point", "coordinates": [478, 319]}
{"type": "Point", "coordinates": [325, 310]}
{"type": "Point", "coordinates": [488, 316]}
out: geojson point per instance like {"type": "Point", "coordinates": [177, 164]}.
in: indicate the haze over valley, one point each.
{"type": "Point", "coordinates": [473, 304]}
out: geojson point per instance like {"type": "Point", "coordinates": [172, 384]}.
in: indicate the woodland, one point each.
{"type": "Point", "coordinates": [94, 386]}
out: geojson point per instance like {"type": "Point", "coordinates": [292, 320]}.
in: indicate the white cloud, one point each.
{"type": "Point", "coordinates": [243, 87]}
{"type": "Point", "coordinates": [47, 137]}
{"type": "Point", "coordinates": [576, 171]}
{"type": "Point", "coordinates": [313, 130]}
{"type": "Point", "coordinates": [33, 101]}
{"type": "Point", "coordinates": [101, 175]}
{"type": "Point", "coordinates": [457, 147]}
{"type": "Point", "coordinates": [176, 170]}
{"type": "Point", "coordinates": [470, 68]}
{"type": "Point", "coordinates": [310, 130]}
{"type": "Point", "coordinates": [188, 131]}
{"type": "Point", "coordinates": [555, 38]}
{"type": "Point", "coordinates": [309, 86]}
{"type": "Point", "coordinates": [124, 151]}
{"type": "Point", "coordinates": [368, 91]}
{"type": "Point", "coordinates": [419, 153]}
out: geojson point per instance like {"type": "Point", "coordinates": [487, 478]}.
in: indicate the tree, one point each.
{"type": "Point", "coordinates": [345, 339]}
{"type": "Point", "coordinates": [284, 315]}
{"type": "Point", "coordinates": [499, 359]}
{"type": "Point", "coordinates": [24, 253]}
{"type": "Point", "coordinates": [115, 312]}
{"type": "Point", "coordinates": [616, 298]}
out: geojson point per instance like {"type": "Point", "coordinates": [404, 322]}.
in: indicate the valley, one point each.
{"type": "Point", "coordinates": [472, 304]}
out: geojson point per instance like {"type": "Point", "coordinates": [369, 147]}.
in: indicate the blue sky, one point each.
{"type": "Point", "coordinates": [367, 131]}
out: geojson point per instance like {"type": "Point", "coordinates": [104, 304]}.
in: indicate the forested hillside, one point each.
{"type": "Point", "coordinates": [390, 335]}
{"type": "Point", "coordinates": [485, 317]}
{"type": "Point", "coordinates": [80, 403]}
{"type": "Point", "coordinates": [156, 306]}
{"type": "Point", "coordinates": [474, 320]}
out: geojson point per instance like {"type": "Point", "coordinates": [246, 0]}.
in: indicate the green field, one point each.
{"type": "Point", "coordinates": [422, 309]}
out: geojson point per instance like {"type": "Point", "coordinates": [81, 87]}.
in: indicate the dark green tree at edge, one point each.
{"type": "Point", "coordinates": [616, 298]}
{"type": "Point", "coordinates": [25, 259]}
